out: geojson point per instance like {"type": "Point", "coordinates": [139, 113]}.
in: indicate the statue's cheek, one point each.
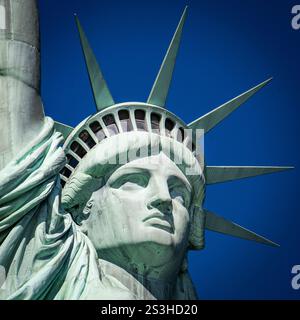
{"type": "Point", "coordinates": [181, 217]}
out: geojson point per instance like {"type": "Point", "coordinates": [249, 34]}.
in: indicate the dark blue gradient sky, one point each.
{"type": "Point", "coordinates": [227, 47]}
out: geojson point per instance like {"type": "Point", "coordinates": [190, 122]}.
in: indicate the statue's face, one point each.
{"type": "Point", "coordinates": [144, 204]}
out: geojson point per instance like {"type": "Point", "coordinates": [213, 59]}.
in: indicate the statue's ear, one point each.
{"type": "Point", "coordinates": [87, 209]}
{"type": "Point", "coordinates": [197, 230]}
{"type": "Point", "coordinates": [81, 212]}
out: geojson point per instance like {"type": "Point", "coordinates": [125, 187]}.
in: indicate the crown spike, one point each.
{"type": "Point", "coordinates": [216, 223]}
{"type": "Point", "coordinates": [64, 129]}
{"type": "Point", "coordinates": [229, 173]}
{"type": "Point", "coordinates": [162, 82]}
{"type": "Point", "coordinates": [101, 93]}
{"type": "Point", "coordinates": [211, 119]}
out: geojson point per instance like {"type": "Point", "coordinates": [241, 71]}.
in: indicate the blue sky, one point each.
{"type": "Point", "coordinates": [227, 47]}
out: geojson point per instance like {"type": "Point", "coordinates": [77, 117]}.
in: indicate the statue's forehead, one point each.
{"type": "Point", "coordinates": [159, 164]}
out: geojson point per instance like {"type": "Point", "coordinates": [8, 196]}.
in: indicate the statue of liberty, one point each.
{"type": "Point", "coordinates": [109, 209]}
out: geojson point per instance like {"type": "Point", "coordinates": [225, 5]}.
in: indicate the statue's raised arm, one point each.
{"type": "Point", "coordinates": [21, 111]}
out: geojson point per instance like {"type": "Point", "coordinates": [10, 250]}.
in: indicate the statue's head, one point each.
{"type": "Point", "coordinates": [137, 194]}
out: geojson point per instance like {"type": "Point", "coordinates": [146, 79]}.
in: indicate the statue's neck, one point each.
{"type": "Point", "coordinates": [142, 286]}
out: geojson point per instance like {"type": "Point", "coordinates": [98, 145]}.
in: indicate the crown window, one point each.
{"type": "Point", "coordinates": [155, 121]}
{"type": "Point", "coordinates": [87, 139]}
{"type": "Point", "coordinates": [125, 120]}
{"type": "Point", "coordinates": [98, 131]}
{"type": "Point", "coordinates": [110, 123]}
{"type": "Point", "coordinates": [78, 149]}
{"type": "Point", "coordinates": [140, 120]}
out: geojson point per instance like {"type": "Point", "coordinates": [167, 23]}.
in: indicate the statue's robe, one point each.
{"type": "Point", "coordinates": [43, 253]}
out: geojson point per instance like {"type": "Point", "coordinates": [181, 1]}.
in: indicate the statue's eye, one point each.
{"type": "Point", "coordinates": [179, 191]}
{"type": "Point", "coordinates": [180, 199]}
{"type": "Point", "coordinates": [182, 196]}
{"type": "Point", "coordinates": [131, 181]}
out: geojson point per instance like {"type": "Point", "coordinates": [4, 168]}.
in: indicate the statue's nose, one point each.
{"type": "Point", "coordinates": [162, 199]}
{"type": "Point", "coordinates": [164, 206]}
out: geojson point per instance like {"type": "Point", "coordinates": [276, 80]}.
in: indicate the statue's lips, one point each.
{"type": "Point", "coordinates": [161, 221]}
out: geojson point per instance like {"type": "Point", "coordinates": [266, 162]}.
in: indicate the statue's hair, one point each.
{"type": "Point", "coordinates": [80, 188]}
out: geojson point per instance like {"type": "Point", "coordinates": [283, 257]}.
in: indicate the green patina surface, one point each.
{"type": "Point", "coordinates": [116, 230]}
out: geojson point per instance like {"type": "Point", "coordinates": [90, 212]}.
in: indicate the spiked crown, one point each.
{"type": "Point", "coordinates": [112, 119]}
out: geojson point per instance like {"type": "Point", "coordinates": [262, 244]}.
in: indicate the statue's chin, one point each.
{"type": "Point", "coordinates": [157, 254]}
